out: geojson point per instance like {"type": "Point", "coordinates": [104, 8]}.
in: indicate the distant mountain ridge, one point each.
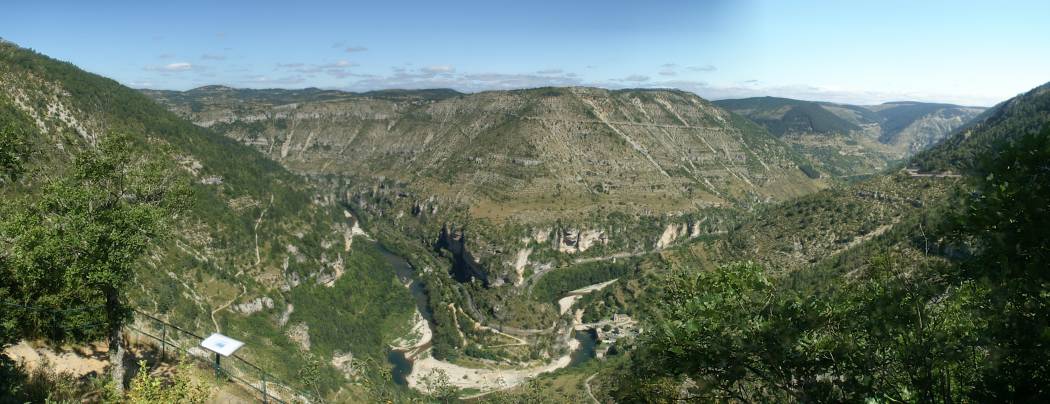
{"type": "Point", "coordinates": [784, 115]}
{"type": "Point", "coordinates": [847, 139]}
{"type": "Point", "coordinates": [893, 120]}
{"type": "Point", "coordinates": [220, 93]}
{"type": "Point", "coordinates": [1024, 114]}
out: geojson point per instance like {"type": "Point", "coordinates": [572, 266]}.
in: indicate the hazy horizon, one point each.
{"type": "Point", "coordinates": [822, 51]}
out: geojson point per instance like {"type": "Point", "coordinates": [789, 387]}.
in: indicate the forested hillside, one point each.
{"type": "Point", "coordinates": [251, 250]}
{"type": "Point", "coordinates": [901, 288]}
{"type": "Point", "coordinates": [998, 127]}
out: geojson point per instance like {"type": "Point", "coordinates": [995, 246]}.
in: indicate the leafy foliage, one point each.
{"type": "Point", "coordinates": [251, 230]}
{"type": "Point", "coordinates": [909, 326]}
{"type": "Point", "coordinates": [15, 133]}
{"type": "Point", "coordinates": [147, 388]}
{"type": "Point", "coordinates": [1007, 223]}
{"type": "Point", "coordinates": [77, 245]}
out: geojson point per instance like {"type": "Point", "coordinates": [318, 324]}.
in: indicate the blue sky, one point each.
{"type": "Point", "coordinates": [975, 53]}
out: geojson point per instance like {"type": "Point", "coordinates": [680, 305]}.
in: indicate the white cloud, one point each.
{"type": "Point", "coordinates": [270, 81]}
{"type": "Point", "coordinates": [213, 56]}
{"type": "Point", "coordinates": [704, 68]}
{"type": "Point", "coordinates": [446, 77]}
{"type": "Point", "coordinates": [637, 78]}
{"type": "Point", "coordinates": [339, 69]}
{"type": "Point", "coordinates": [438, 69]}
{"type": "Point", "coordinates": [172, 67]}
{"type": "Point", "coordinates": [178, 66]}
{"type": "Point", "coordinates": [353, 49]}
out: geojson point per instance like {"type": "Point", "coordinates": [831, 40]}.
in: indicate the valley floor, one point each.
{"type": "Point", "coordinates": [492, 378]}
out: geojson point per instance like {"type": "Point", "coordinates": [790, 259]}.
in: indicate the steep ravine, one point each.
{"type": "Point", "coordinates": [413, 362]}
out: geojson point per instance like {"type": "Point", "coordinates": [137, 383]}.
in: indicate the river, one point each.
{"type": "Point", "coordinates": [588, 341]}
{"type": "Point", "coordinates": [402, 365]}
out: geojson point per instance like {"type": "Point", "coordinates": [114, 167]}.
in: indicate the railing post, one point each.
{"type": "Point", "coordinates": [163, 340]}
{"type": "Point", "coordinates": [266, 396]}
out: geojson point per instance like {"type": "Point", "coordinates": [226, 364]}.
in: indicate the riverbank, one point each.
{"type": "Point", "coordinates": [495, 378]}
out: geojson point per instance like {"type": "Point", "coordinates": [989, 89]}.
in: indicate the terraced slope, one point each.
{"type": "Point", "coordinates": [591, 147]}
{"type": "Point", "coordinates": [564, 173]}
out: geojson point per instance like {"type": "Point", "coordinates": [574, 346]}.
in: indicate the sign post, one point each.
{"type": "Point", "coordinates": [221, 345]}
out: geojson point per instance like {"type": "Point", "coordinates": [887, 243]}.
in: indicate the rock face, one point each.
{"type": "Point", "coordinates": [670, 234]}
{"type": "Point", "coordinates": [464, 267]}
{"type": "Point", "coordinates": [521, 260]}
{"type": "Point", "coordinates": [254, 305]}
{"type": "Point", "coordinates": [300, 334]}
{"type": "Point", "coordinates": [574, 241]}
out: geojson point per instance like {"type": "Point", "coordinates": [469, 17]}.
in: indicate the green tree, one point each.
{"type": "Point", "coordinates": [902, 331]}
{"type": "Point", "coordinates": [897, 332]}
{"type": "Point", "coordinates": [439, 386]}
{"type": "Point", "coordinates": [1006, 224]}
{"type": "Point", "coordinates": [712, 327]}
{"type": "Point", "coordinates": [73, 249]}
{"type": "Point", "coordinates": [15, 133]}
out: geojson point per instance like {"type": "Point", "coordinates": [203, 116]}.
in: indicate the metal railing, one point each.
{"type": "Point", "coordinates": [170, 338]}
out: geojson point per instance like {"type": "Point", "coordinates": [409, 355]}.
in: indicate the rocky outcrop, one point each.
{"type": "Point", "coordinates": [676, 231]}
{"type": "Point", "coordinates": [521, 259]}
{"type": "Point", "coordinates": [254, 306]}
{"type": "Point", "coordinates": [465, 267]}
{"type": "Point", "coordinates": [574, 241]}
{"type": "Point", "coordinates": [670, 234]}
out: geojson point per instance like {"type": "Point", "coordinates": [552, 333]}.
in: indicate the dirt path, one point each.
{"type": "Point", "coordinates": [223, 307]}
{"type": "Point", "coordinates": [916, 174]}
{"type": "Point", "coordinates": [565, 303]}
{"type": "Point", "coordinates": [78, 361]}
{"type": "Point", "coordinates": [860, 239]}
{"type": "Point", "coordinates": [613, 256]}
{"type": "Point", "coordinates": [255, 229]}
{"type": "Point", "coordinates": [479, 326]}
{"type": "Point", "coordinates": [587, 386]}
